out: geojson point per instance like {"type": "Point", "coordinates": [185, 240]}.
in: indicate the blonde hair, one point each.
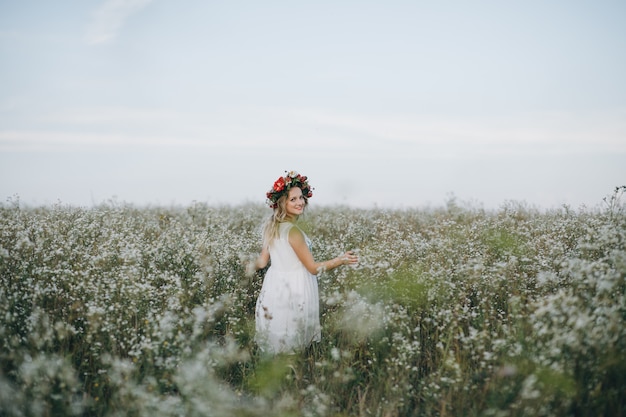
{"type": "Point", "coordinates": [270, 229]}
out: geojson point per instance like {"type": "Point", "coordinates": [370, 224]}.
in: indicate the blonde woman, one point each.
{"type": "Point", "coordinates": [287, 310]}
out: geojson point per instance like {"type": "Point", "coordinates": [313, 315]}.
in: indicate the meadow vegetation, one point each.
{"type": "Point", "coordinates": [116, 310]}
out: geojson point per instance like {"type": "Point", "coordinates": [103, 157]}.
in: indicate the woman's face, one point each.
{"type": "Point", "coordinates": [295, 202]}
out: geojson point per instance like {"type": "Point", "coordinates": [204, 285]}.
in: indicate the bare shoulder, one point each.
{"type": "Point", "coordinates": [296, 235]}
{"type": "Point", "coordinates": [295, 231]}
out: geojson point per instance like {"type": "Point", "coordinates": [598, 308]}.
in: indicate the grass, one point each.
{"type": "Point", "coordinates": [453, 311]}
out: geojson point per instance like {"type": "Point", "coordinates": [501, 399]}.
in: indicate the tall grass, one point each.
{"type": "Point", "coordinates": [453, 311]}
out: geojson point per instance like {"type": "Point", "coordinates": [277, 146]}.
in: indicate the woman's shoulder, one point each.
{"type": "Point", "coordinates": [285, 225]}
{"type": "Point", "coordinates": [284, 228]}
{"type": "Point", "coordinates": [297, 233]}
{"type": "Point", "coordinates": [290, 229]}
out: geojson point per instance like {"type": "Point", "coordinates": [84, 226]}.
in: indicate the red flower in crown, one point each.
{"type": "Point", "coordinates": [279, 185]}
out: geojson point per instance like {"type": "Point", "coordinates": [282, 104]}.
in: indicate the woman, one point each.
{"type": "Point", "coordinates": [287, 310]}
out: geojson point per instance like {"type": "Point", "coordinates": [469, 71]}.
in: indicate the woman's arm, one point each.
{"type": "Point", "coordinates": [259, 263]}
{"type": "Point", "coordinates": [263, 259]}
{"type": "Point", "coordinates": [297, 242]}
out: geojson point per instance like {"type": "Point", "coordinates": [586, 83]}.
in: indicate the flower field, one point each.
{"type": "Point", "coordinates": [453, 311]}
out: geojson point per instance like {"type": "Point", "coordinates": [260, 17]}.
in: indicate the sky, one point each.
{"type": "Point", "coordinates": [380, 103]}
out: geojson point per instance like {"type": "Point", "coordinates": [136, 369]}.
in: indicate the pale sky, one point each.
{"type": "Point", "coordinates": [380, 103]}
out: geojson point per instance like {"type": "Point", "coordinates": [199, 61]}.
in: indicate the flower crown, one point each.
{"type": "Point", "coordinates": [283, 184]}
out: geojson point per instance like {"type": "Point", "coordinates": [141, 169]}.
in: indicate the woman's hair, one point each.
{"type": "Point", "coordinates": [270, 230]}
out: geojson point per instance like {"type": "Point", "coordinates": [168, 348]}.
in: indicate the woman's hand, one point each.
{"type": "Point", "coordinates": [349, 258]}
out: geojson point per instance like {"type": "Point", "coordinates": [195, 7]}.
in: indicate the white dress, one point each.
{"type": "Point", "coordinates": [287, 310]}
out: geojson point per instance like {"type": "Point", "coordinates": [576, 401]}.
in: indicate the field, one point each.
{"type": "Point", "coordinates": [455, 310]}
